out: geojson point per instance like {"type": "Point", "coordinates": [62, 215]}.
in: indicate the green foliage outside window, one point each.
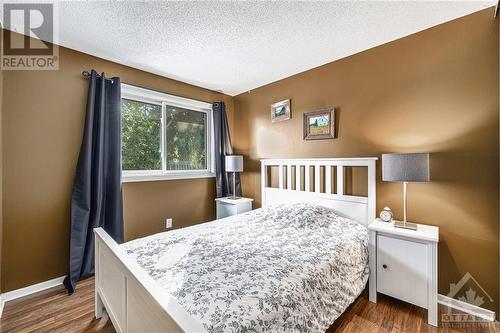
{"type": "Point", "coordinates": [141, 137]}
{"type": "Point", "coordinates": [185, 139]}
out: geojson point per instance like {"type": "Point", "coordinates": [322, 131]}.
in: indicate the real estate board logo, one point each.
{"type": "Point", "coordinates": [468, 291]}
{"type": "Point", "coordinates": [29, 37]}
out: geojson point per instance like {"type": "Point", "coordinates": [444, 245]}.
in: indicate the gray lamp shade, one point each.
{"type": "Point", "coordinates": [234, 163]}
{"type": "Point", "coordinates": [411, 167]}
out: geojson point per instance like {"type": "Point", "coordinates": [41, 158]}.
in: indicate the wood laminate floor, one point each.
{"type": "Point", "coordinates": [54, 311]}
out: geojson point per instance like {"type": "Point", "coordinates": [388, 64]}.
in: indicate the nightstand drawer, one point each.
{"type": "Point", "coordinates": [229, 207]}
{"type": "Point", "coordinates": [226, 210]}
{"type": "Point", "coordinates": [402, 269]}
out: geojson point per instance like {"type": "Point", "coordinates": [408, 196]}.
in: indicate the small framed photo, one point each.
{"type": "Point", "coordinates": [319, 125]}
{"type": "Point", "coordinates": [280, 111]}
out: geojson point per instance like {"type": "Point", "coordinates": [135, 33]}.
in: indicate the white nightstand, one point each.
{"type": "Point", "coordinates": [403, 264]}
{"type": "Point", "coordinates": [229, 207]}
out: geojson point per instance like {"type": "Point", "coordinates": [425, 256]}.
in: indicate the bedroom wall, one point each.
{"type": "Point", "coordinates": [434, 91]}
{"type": "Point", "coordinates": [42, 132]}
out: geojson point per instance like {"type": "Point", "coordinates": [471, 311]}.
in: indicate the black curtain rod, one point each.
{"type": "Point", "coordinates": [86, 74]}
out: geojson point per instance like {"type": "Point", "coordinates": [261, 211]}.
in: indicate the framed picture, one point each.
{"type": "Point", "coordinates": [319, 125]}
{"type": "Point", "coordinates": [280, 111]}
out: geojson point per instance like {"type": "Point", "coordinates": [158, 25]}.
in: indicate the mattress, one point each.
{"type": "Point", "coordinates": [289, 268]}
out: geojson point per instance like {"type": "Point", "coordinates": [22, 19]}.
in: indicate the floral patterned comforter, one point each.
{"type": "Point", "coordinates": [282, 269]}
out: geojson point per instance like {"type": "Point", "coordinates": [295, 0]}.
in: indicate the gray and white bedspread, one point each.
{"type": "Point", "coordinates": [282, 269]}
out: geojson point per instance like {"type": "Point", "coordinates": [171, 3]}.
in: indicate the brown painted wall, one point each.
{"type": "Point", "coordinates": [434, 91]}
{"type": "Point", "coordinates": [43, 117]}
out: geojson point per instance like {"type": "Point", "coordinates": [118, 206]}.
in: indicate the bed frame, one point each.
{"type": "Point", "coordinates": [135, 302]}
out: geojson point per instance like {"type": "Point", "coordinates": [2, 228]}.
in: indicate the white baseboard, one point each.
{"type": "Point", "coordinates": [466, 307]}
{"type": "Point", "coordinates": [2, 302]}
{"type": "Point", "coordinates": [10, 295]}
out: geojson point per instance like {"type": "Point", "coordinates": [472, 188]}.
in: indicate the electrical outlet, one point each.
{"type": "Point", "coordinates": [168, 223]}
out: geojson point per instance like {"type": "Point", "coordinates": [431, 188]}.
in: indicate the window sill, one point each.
{"type": "Point", "coordinates": [133, 178]}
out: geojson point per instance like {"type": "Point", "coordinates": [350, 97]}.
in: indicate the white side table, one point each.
{"type": "Point", "coordinates": [403, 264]}
{"type": "Point", "coordinates": [229, 207]}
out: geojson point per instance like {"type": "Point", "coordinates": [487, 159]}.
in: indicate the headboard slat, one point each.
{"type": "Point", "coordinates": [317, 178]}
{"type": "Point", "coordinates": [288, 176]}
{"type": "Point", "coordinates": [328, 179]}
{"type": "Point", "coordinates": [340, 179]}
{"type": "Point", "coordinates": [298, 181]}
{"type": "Point", "coordinates": [280, 175]}
{"type": "Point", "coordinates": [307, 178]}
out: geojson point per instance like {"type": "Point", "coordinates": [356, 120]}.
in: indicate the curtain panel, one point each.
{"type": "Point", "coordinates": [223, 147]}
{"type": "Point", "coordinates": [96, 199]}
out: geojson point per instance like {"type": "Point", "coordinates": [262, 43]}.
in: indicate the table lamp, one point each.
{"type": "Point", "coordinates": [234, 164]}
{"type": "Point", "coordinates": [408, 167]}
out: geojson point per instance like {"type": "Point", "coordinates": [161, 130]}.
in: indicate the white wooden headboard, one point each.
{"type": "Point", "coordinates": [293, 173]}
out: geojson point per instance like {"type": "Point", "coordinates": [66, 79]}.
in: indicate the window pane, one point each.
{"type": "Point", "coordinates": [141, 136]}
{"type": "Point", "coordinates": [186, 146]}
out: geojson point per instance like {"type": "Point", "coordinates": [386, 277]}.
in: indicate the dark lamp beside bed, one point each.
{"type": "Point", "coordinates": [234, 164]}
{"type": "Point", "coordinates": [409, 167]}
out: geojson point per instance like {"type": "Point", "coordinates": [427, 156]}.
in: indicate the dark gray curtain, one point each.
{"type": "Point", "coordinates": [96, 200]}
{"type": "Point", "coordinates": [224, 182]}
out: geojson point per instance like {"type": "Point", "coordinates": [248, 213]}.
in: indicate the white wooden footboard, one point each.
{"type": "Point", "coordinates": [134, 301]}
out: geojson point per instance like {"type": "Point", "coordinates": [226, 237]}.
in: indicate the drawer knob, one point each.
{"type": "Point", "coordinates": [385, 266]}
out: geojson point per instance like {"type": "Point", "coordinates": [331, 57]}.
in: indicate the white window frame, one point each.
{"type": "Point", "coordinates": [158, 98]}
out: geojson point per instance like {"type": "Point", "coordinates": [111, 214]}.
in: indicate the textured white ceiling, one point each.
{"type": "Point", "coordinates": [236, 46]}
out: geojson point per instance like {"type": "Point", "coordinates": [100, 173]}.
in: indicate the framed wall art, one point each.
{"type": "Point", "coordinates": [281, 111]}
{"type": "Point", "coordinates": [319, 125]}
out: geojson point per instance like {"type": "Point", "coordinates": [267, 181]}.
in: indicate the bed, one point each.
{"type": "Point", "coordinates": [293, 266]}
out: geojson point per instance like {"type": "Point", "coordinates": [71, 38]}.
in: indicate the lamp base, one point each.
{"type": "Point", "coordinates": [405, 225]}
{"type": "Point", "coordinates": [234, 198]}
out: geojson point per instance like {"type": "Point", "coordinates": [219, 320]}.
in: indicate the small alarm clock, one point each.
{"type": "Point", "coordinates": [386, 214]}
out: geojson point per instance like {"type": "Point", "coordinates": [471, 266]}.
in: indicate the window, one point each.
{"type": "Point", "coordinates": [165, 136]}
{"type": "Point", "coordinates": [141, 135]}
